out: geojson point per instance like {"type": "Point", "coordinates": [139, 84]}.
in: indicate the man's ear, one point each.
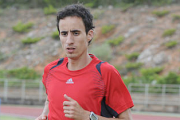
{"type": "Point", "coordinates": [90, 35]}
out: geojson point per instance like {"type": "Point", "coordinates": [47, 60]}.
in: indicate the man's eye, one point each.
{"type": "Point", "coordinates": [76, 33]}
{"type": "Point", "coordinates": [64, 34]}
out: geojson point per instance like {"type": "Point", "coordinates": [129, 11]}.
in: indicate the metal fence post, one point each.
{"type": "Point", "coordinates": [146, 94]}
{"type": "Point", "coordinates": [5, 89]}
{"type": "Point", "coordinates": [179, 98]}
{"type": "Point", "coordinates": [23, 87]}
{"type": "Point", "coordinates": [40, 91]}
{"type": "Point", "coordinates": [163, 95]}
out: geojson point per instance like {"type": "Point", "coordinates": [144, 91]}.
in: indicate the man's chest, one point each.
{"type": "Point", "coordinates": [83, 87]}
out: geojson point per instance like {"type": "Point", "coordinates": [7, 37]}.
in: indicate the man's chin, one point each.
{"type": "Point", "coordinates": [71, 56]}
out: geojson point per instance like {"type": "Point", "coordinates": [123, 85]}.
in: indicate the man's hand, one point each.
{"type": "Point", "coordinates": [73, 110]}
{"type": "Point", "coordinates": [41, 117]}
{"type": "Point", "coordinates": [44, 114]}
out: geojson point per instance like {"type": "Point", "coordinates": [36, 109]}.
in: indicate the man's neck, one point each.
{"type": "Point", "coordinates": [77, 64]}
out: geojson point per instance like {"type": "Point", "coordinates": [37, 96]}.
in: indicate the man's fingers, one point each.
{"type": "Point", "coordinates": [68, 98]}
{"type": "Point", "coordinates": [44, 117]}
{"type": "Point", "coordinates": [68, 112]}
{"type": "Point", "coordinates": [66, 108]}
{"type": "Point", "coordinates": [67, 103]}
{"type": "Point", "coordinates": [69, 115]}
{"type": "Point", "coordinates": [70, 107]}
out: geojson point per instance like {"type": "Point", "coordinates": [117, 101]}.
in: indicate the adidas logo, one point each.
{"type": "Point", "coordinates": [70, 81]}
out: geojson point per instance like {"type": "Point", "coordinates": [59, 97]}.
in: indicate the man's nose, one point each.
{"type": "Point", "coordinates": [69, 39]}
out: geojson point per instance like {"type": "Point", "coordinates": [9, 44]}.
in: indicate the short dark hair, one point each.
{"type": "Point", "coordinates": [77, 10]}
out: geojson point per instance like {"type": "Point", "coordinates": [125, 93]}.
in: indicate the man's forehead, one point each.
{"type": "Point", "coordinates": [71, 23]}
{"type": "Point", "coordinates": [73, 19]}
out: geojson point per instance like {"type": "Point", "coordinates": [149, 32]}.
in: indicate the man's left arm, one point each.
{"type": "Point", "coordinates": [73, 110]}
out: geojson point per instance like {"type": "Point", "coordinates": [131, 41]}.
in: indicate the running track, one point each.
{"type": "Point", "coordinates": [32, 112]}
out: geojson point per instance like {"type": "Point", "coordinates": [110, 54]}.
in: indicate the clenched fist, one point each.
{"type": "Point", "coordinates": [73, 110]}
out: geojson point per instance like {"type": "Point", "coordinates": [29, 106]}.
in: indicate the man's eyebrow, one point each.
{"type": "Point", "coordinates": [63, 31]}
{"type": "Point", "coordinates": [75, 31]}
{"type": "Point", "coordinates": [70, 31]}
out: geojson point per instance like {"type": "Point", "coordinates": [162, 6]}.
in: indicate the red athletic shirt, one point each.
{"type": "Point", "coordinates": [98, 89]}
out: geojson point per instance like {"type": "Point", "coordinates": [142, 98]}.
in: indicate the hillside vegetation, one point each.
{"type": "Point", "coordinates": [142, 42]}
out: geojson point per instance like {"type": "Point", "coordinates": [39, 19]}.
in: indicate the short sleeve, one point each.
{"type": "Point", "coordinates": [117, 97]}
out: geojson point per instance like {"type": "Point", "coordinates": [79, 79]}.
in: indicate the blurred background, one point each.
{"type": "Point", "coordinates": [140, 38]}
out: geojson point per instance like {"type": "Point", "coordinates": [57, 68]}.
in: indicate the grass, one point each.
{"type": "Point", "coordinates": [176, 17]}
{"type": "Point", "coordinates": [116, 41]}
{"type": "Point", "coordinates": [161, 2]}
{"type": "Point", "coordinates": [89, 5]}
{"type": "Point", "coordinates": [160, 13]}
{"type": "Point", "coordinates": [30, 40]}
{"type": "Point", "coordinates": [55, 35]}
{"type": "Point", "coordinates": [107, 28]}
{"type": "Point", "coordinates": [132, 56]}
{"type": "Point", "coordinates": [20, 73]}
{"type": "Point", "coordinates": [124, 6]}
{"type": "Point", "coordinates": [133, 66]}
{"type": "Point", "coordinates": [12, 118]}
{"type": "Point", "coordinates": [49, 10]}
{"type": "Point", "coordinates": [151, 71]}
{"type": "Point", "coordinates": [22, 28]}
{"type": "Point", "coordinates": [169, 32]}
{"type": "Point", "coordinates": [171, 78]}
{"type": "Point", "coordinates": [3, 73]}
{"type": "Point", "coordinates": [171, 44]}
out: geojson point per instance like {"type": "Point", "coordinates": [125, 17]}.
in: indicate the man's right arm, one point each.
{"type": "Point", "coordinates": [45, 112]}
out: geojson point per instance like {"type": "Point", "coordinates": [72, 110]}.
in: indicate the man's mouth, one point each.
{"type": "Point", "coordinates": [70, 50]}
